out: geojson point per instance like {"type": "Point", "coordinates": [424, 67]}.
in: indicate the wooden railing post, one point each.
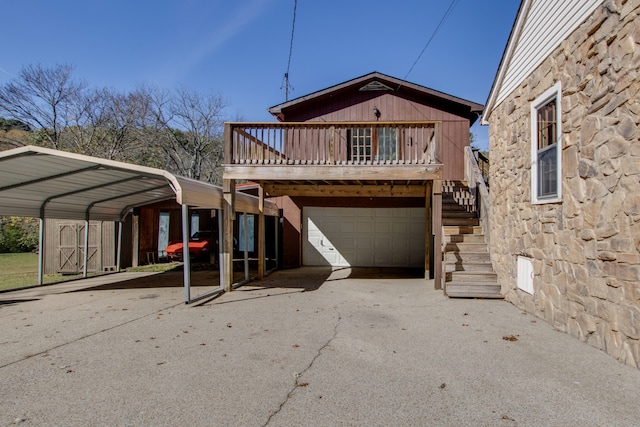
{"type": "Point", "coordinates": [228, 143]}
{"type": "Point", "coordinates": [438, 262]}
{"type": "Point", "coordinates": [438, 141]}
{"type": "Point", "coordinates": [332, 146]}
{"type": "Point", "coordinates": [428, 234]}
{"type": "Point", "coordinates": [478, 189]}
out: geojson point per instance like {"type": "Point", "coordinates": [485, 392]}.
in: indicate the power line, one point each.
{"type": "Point", "coordinates": [446, 15]}
{"type": "Point", "coordinates": [286, 84]}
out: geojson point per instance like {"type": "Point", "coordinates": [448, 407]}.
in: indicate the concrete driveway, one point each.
{"type": "Point", "coordinates": [306, 347]}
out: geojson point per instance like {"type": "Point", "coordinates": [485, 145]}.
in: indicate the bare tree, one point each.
{"type": "Point", "coordinates": [42, 98]}
{"type": "Point", "coordinates": [193, 131]}
{"type": "Point", "coordinates": [110, 124]}
{"type": "Point", "coordinates": [181, 131]}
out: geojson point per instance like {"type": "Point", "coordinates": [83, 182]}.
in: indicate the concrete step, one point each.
{"type": "Point", "coordinates": [464, 238]}
{"type": "Point", "coordinates": [466, 290]}
{"type": "Point", "coordinates": [479, 247]}
{"type": "Point", "coordinates": [461, 229]}
{"type": "Point", "coordinates": [471, 276]}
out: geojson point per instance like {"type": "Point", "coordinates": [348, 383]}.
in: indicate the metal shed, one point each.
{"type": "Point", "coordinates": [45, 183]}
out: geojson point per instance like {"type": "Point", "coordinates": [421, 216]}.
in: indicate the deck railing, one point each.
{"type": "Point", "coordinates": [336, 143]}
{"type": "Point", "coordinates": [478, 189]}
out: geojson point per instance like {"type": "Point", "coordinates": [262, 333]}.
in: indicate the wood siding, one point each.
{"type": "Point", "coordinates": [357, 106]}
{"type": "Point", "coordinates": [542, 26]}
{"type": "Point", "coordinates": [64, 246]}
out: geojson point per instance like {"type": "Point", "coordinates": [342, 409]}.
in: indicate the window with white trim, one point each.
{"type": "Point", "coordinates": [546, 147]}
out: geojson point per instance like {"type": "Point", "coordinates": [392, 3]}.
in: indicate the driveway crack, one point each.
{"type": "Point", "coordinates": [301, 373]}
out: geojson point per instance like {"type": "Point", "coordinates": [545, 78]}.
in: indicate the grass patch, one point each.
{"type": "Point", "coordinates": [21, 270]}
{"type": "Point", "coordinates": [156, 267]}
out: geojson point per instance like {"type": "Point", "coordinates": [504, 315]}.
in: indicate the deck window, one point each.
{"type": "Point", "coordinates": [361, 144]}
{"type": "Point", "coordinates": [377, 144]}
{"type": "Point", "coordinates": [546, 147]}
{"type": "Point", "coordinates": [387, 144]}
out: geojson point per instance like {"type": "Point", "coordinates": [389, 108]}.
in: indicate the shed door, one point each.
{"type": "Point", "coordinates": [363, 237]}
{"type": "Point", "coordinates": [68, 250]}
{"type": "Point", "coordinates": [71, 249]}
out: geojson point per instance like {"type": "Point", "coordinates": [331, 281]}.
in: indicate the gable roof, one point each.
{"type": "Point", "coordinates": [539, 28]}
{"type": "Point", "coordinates": [376, 81]}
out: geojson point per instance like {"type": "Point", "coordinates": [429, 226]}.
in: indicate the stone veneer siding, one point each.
{"type": "Point", "coordinates": [586, 249]}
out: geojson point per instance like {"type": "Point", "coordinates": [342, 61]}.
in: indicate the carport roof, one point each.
{"type": "Point", "coordinates": [58, 184]}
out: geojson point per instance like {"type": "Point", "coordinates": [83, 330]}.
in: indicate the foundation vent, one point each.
{"type": "Point", "coordinates": [525, 274]}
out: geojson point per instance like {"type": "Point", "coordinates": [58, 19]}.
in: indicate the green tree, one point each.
{"type": "Point", "coordinates": [18, 234]}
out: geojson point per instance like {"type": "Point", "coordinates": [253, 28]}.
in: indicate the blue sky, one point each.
{"type": "Point", "coordinates": [240, 48]}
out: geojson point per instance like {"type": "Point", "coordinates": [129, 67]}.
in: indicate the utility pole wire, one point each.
{"type": "Point", "coordinates": [286, 84]}
{"type": "Point", "coordinates": [444, 17]}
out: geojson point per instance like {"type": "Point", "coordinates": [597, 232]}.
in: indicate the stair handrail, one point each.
{"type": "Point", "coordinates": [478, 189]}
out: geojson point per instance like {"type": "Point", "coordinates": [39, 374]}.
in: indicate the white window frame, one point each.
{"type": "Point", "coordinates": [553, 92]}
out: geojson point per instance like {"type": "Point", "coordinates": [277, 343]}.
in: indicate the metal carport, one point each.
{"type": "Point", "coordinates": [45, 183]}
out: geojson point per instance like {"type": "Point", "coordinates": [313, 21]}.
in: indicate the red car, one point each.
{"type": "Point", "coordinates": [199, 246]}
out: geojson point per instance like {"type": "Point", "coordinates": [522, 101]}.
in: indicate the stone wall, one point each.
{"type": "Point", "coordinates": [586, 249]}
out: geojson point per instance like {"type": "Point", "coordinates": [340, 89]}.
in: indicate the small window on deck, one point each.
{"type": "Point", "coordinates": [387, 144]}
{"type": "Point", "coordinates": [373, 144]}
{"type": "Point", "coordinates": [360, 143]}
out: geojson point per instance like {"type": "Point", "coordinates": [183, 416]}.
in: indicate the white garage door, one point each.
{"type": "Point", "coordinates": [363, 237]}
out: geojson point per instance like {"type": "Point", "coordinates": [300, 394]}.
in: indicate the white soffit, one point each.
{"type": "Point", "coordinates": [58, 184]}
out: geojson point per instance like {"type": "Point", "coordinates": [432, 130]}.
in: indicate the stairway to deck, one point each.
{"type": "Point", "coordinates": [468, 269]}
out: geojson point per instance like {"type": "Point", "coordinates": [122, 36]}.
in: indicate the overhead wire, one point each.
{"type": "Point", "coordinates": [452, 5]}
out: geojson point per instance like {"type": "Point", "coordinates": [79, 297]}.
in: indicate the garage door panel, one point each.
{"type": "Point", "coordinates": [383, 237]}
{"type": "Point", "coordinates": [364, 227]}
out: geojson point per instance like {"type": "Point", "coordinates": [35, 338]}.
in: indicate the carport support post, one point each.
{"type": "Point", "coordinates": [229, 190]}
{"type": "Point", "coordinates": [86, 248]}
{"type": "Point", "coordinates": [220, 249]}
{"type": "Point", "coordinates": [245, 243]}
{"type": "Point", "coordinates": [437, 233]}
{"type": "Point", "coordinates": [119, 250]}
{"type": "Point", "coordinates": [186, 266]}
{"type": "Point", "coordinates": [41, 252]}
{"type": "Point", "coordinates": [276, 239]}
{"type": "Point", "coordinates": [261, 233]}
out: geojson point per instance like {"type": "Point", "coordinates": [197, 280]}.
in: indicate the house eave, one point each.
{"type": "Point", "coordinates": [395, 84]}
{"type": "Point", "coordinates": [504, 61]}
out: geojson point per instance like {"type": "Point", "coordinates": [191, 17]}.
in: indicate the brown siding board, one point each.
{"type": "Point", "coordinates": [394, 106]}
